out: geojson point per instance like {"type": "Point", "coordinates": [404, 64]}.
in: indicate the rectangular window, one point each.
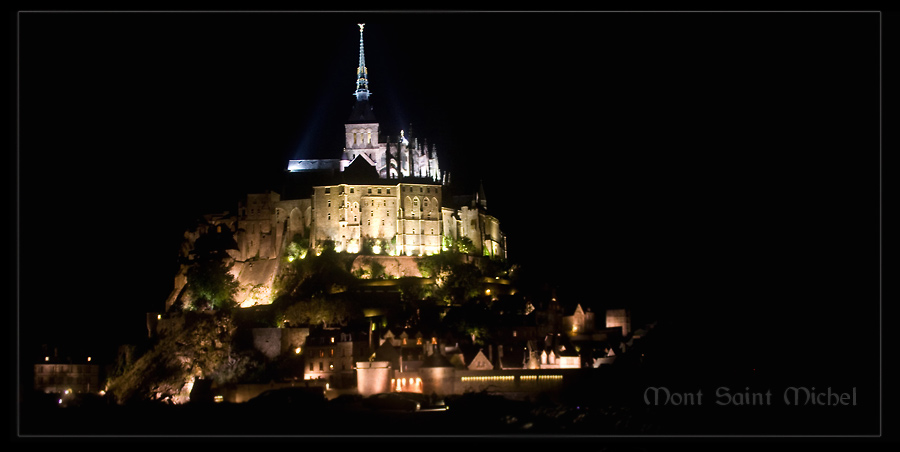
{"type": "Point", "coordinates": [327, 189]}
{"type": "Point", "coordinates": [370, 190]}
{"type": "Point", "coordinates": [321, 366]}
{"type": "Point", "coordinates": [389, 191]}
{"type": "Point", "coordinates": [379, 191]}
{"type": "Point", "coordinates": [311, 367]}
{"type": "Point", "coordinates": [351, 189]}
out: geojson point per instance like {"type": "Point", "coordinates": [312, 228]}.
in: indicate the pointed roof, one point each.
{"type": "Point", "coordinates": [362, 81]}
{"type": "Point", "coordinates": [360, 170]}
{"type": "Point", "coordinates": [436, 360]}
{"type": "Point", "coordinates": [480, 362]}
{"type": "Point", "coordinates": [362, 111]}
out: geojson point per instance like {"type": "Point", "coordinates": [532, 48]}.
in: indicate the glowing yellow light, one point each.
{"type": "Point", "coordinates": [327, 386]}
{"type": "Point", "coordinates": [89, 359]}
{"type": "Point", "coordinates": [487, 292]}
{"type": "Point", "coordinates": [297, 350]}
{"type": "Point", "coordinates": [158, 316]}
{"type": "Point", "coordinates": [218, 399]}
{"type": "Point", "coordinates": [290, 258]}
{"type": "Point", "coordinates": [376, 249]}
{"type": "Point", "coordinates": [46, 358]}
{"type": "Point", "coordinates": [332, 340]}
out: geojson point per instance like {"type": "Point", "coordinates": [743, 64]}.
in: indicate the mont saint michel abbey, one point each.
{"type": "Point", "coordinates": [385, 197]}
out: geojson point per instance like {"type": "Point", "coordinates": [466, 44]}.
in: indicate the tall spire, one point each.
{"type": "Point", "coordinates": [362, 83]}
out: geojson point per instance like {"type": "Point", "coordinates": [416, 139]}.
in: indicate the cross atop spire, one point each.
{"type": "Point", "coordinates": [362, 83]}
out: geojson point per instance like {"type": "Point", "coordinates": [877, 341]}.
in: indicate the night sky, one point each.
{"type": "Point", "coordinates": [719, 168]}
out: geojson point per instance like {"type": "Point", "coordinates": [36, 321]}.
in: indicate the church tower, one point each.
{"type": "Point", "coordinates": [361, 128]}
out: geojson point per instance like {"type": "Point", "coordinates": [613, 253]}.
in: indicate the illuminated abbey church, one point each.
{"type": "Point", "coordinates": [385, 198]}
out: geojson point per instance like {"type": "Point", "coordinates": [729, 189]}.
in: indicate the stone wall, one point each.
{"type": "Point", "coordinates": [275, 341]}
{"type": "Point", "coordinates": [619, 318]}
{"type": "Point", "coordinates": [394, 266]}
{"type": "Point", "coordinates": [268, 341]}
{"type": "Point", "coordinates": [373, 377]}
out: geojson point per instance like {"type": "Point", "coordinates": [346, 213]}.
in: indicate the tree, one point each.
{"type": "Point", "coordinates": [465, 245]}
{"type": "Point", "coordinates": [317, 310]}
{"type": "Point", "coordinates": [210, 285]}
{"type": "Point", "coordinates": [462, 282]}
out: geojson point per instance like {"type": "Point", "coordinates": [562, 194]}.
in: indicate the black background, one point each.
{"type": "Point", "coordinates": [721, 171]}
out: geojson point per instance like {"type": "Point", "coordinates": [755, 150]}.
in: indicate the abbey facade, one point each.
{"type": "Point", "coordinates": [382, 198]}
